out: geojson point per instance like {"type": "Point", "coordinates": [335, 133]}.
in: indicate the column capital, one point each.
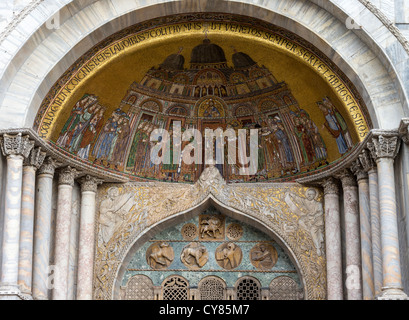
{"type": "Point", "coordinates": [331, 186]}
{"type": "Point", "coordinates": [35, 158]}
{"type": "Point", "coordinates": [67, 176]}
{"type": "Point", "coordinates": [404, 130]}
{"type": "Point", "coordinates": [347, 178]}
{"type": "Point", "coordinates": [366, 160]}
{"type": "Point", "coordinates": [16, 145]}
{"type": "Point", "coordinates": [383, 146]}
{"type": "Point", "coordinates": [89, 183]}
{"type": "Point", "coordinates": [358, 170]}
{"type": "Point", "coordinates": [48, 166]}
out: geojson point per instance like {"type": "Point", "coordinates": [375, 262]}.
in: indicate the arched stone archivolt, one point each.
{"type": "Point", "coordinates": [276, 11]}
{"type": "Point", "coordinates": [152, 207]}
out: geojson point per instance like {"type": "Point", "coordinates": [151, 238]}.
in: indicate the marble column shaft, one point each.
{"type": "Point", "coordinates": [352, 236]}
{"type": "Point", "coordinates": [62, 234]}
{"type": "Point", "coordinates": [368, 290]}
{"type": "Point", "coordinates": [42, 230]}
{"type": "Point", "coordinates": [16, 148]}
{"type": "Point", "coordinates": [392, 278]}
{"type": "Point", "coordinates": [87, 238]}
{"type": "Point", "coordinates": [25, 270]}
{"type": "Point", "coordinates": [333, 240]}
{"type": "Point", "coordinates": [384, 149]}
{"type": "Point", "coordinates": [375, 231]}
{"type": "Point", "coordinates": [12, 215]}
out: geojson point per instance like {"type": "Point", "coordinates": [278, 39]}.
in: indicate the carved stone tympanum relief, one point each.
{"type": "Point", "coordinates": [160, 255]}
{"type": "Point", "coordinates": [229, 256]}
{"type": "Point", "coordinates": [263, 256]}
{"type": "Point", "coordinates": [194, 255]}
{"type": "Point", "coordinates": [211, 227]}
{"type": "Point", "coordinates": [296, 219]}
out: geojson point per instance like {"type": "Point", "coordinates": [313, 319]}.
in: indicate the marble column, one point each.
{"type": "Point", "coordinates": [15, 148]}
{"type": "Point", "coordinates": [87, 238]}
{"type": "Point", "coordinates": [370, 167]}
{"type": "Point", "coordinates": [365, 227]}
{"type": "Point", "coordinates": [352, 236]}
{"type": "Point", "coordinates": [42, 230]}
{"type": "Point", "coordinates": [62, 233]}
{"type": "Point", "coordinates": [384, 148]}
{"type": "Point", "coordinates": [25, 265]}
{"type": "Point", "coordinates": [333, 239]}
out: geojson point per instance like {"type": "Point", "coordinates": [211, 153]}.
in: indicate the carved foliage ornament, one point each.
{"type": "Point", "coordinates": [151, 203]}
{"type": "Point", "coordinates": [384, 147]}
{"type": "Point", "coordinates": [16, 145]}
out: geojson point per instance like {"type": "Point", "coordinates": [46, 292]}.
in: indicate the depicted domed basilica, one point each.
{"type": "Point", "coordinates": [209, 93]}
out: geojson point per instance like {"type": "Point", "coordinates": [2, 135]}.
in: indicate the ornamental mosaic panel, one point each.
{"type": "Point", "coordinates": [242, 74]}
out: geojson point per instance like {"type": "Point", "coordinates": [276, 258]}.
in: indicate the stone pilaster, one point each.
{"type": "Point", "coordinates": [25, 270]}
{"type": "Point", "coordinates": [42, 229]}
{"type": "Point", "coordinates": [16, 148]}
{"type": "Point", "coordinates": [365, 227]}
{"type": "Point", "coordinates": [352, 235]}
{"type": "Point", "coordinates": [384, 148]}
{"type": "Point", "coordinates": [87, 237]}
{"type": "Point", "coordinates": [63, 227]}
{"type": "Point", "coordinates": [333, 239]}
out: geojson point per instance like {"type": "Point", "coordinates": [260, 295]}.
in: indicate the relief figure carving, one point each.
{"type": "Point", "coordinates": [311, 215]}
{"type": "Point", "coordinates": [113, 211]}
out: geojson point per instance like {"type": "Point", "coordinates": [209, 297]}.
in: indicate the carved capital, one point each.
{"type": "Point", "coordinates": [347, 178]}
{"type": "Point", "coordinates": [48, 166]}
{"type": "Point", "coordinates": [67, 176]}
{"type": "Point", "coordinates": [358, 170]}
{"type": "Point", "coordinates": [35, 158]}
{"type": "Point", "coordinates": [16, 145]}
{"type": "Point", "coordinates": [366, 160]}
{"type": "Point", "coordinates": [384, 147]}
{"type": "Point", "coordinates": [404, 130]}
{"type": "Point", "coordinates": [331, 186]}
{"type": "Point", "coordinates": [89, 183]}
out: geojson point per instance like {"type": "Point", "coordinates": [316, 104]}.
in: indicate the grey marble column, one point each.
{"type": "Point", "coordinates": [87, 238]}
{"type": "Point", "coordinates": [368, 290]}
{"type": "Point", "coordinates": [353, 281]}
{"type": "Point", "coordinates": [333, 239]}
{"type": "Point", "coordinates": [62, 233]}
{"type": "Point", "coordinates": [16, 148]}
{"type": "Point", "coordinates": [384, 148]}
{"type": "Point", "coordinates": [42, 230]}
{"type": "Point", "coordinates": [370, 167]}
{"type": "Point", "coordinates": [25, 265]}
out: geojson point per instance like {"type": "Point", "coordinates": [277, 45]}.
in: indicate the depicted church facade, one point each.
{"type": "Point", "coordinates": [206, 150]}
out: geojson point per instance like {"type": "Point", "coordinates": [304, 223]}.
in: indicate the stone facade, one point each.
{"type": "Point", "coordinates": [85, 225]}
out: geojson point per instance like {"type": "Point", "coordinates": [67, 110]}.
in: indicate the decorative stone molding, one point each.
{"type": "Point", "coordinates": [331, 186]}
{"type": "Point", "coordinates": [366, 160]}
{"type": "Point", "coordinates": [67, 176]}
{"type": "Point", "coordinates": [358, 170]}
{"type": "Point", "coordinates": [347, 178]}
{"type": "Point", "coordinates": [143, 206]}
{"type": "Point", "coordinates": [89, 183]}
{"type": "Point", "coordinates": [384, 146]}
{"type": "Point", "coordinates": [404, 130]}
{"type": "Point", "coordinates": [48, 167]}
{"type": "Point", "coordinates": [16, 145]}
{"type": "Point", "coordinates": [35, 159]}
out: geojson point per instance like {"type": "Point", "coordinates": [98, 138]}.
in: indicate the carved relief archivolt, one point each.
{"type": "Point", "coordinates": [151, 203]}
